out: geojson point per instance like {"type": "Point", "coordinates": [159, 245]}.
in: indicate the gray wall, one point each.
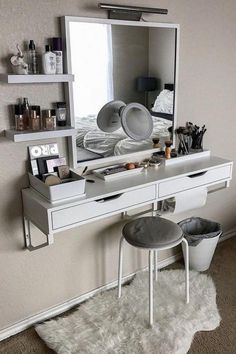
{"type": "Point", "coordinates": [130, 60]}
{"type": "Point", "coordinates": [161, 54]}
{"type": "Point", "coordinates": [161, 58]}
{"type": "Point", "coordinates": [86, 257]}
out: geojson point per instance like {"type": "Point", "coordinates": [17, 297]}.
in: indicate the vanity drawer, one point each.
{"type": "Point", "coordinates": [194, 180]}
{"type": "Point", "coordinates": [82, 212]}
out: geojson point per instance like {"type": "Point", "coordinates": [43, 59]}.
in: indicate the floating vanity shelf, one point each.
{"type": "Point", "coordinates": [18, 137]}
{"type": "Point", "coordinates": [35, 79]}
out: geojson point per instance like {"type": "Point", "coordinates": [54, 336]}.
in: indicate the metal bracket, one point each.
{"type": "Point", "coordinates": [226, 185]}
{"type": "Point", "coordinates": [154, 210]}
{"type": "Point", "coordinates": [28, 239]}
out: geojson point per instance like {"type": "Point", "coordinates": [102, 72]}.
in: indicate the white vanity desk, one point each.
{"type": "Point", "coordinates": [104, 199]}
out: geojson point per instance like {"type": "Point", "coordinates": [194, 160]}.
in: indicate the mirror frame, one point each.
{"type": "Point", "coordinates": [65, 22]}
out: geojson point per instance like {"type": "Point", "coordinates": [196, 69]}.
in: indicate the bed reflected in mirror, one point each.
{"type": "Point", "coordinates": [130, 63]}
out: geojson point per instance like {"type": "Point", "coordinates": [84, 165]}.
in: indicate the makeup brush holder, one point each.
{"type": "Point", "coordinates": [193, 151]}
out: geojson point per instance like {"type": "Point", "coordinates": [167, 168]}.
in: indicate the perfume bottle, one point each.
{"type": "Point", "coordinates": [26, 112]}
{"type": "Point", "coordinates": [49, 61]}
{"type": "Point", "coordinates": [33, 67]}
{"type": "Point", "coordinates": [35, 121]}
{"type": "Point", "coordinates": [48, 120]}
{"type": "Point", "coordinates": [19, 118]}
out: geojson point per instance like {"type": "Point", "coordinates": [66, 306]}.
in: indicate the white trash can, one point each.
{"type": "Point", "coordinates": [202, 236]}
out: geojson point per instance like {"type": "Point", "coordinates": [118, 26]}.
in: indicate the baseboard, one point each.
{"type": "Point", "coordinates": [228, 234]}
{"type": "Point", "coordinates": [57, 310]}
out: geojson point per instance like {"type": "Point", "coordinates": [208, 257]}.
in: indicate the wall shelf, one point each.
{"type": "Point", "coordinates": [35, 79]}
{"type": "Point", "coordinates": [28, 135]}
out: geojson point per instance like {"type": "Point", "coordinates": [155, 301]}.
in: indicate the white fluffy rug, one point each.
{"type": "Point", "coordinates": [106, 325]}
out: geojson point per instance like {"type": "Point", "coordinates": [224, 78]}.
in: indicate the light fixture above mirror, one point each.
{"type": "Point", "coordinates": [131, 13]}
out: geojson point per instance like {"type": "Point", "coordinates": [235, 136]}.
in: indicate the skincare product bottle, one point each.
{"type": "Point", "coordinates": [19, 118]}
{"type": "Point", "coordinates": [26, 112]}
{"type": "Point", "coordinates": [48, 120]}
{"type": "Point", "coordinates": [61, 113]}
{"type": "Point", "coordinates": [35, 118]}
{"type": "Point", "coordinates": [57, 49]}
{"type": "Point", "coordinates": [33, 67]}
{"type": "Point", "coordinates": [49, 61]}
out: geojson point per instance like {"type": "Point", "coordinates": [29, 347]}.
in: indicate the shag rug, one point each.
{"type": "Point", "coordinates": [106, 325]}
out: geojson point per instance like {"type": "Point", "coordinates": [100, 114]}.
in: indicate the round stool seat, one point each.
{"type": "Point", "coordinates": [152, 233]}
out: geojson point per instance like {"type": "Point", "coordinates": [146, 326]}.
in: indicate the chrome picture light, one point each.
{"type": "Point", "coordinates": [131, 13]}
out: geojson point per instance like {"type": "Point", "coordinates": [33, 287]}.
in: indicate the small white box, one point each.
{"type": "Point", "coordinates": [61, 191]}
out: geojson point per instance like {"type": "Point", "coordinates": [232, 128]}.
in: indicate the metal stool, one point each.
{"type": "Point", "coordinates": [153, 234]}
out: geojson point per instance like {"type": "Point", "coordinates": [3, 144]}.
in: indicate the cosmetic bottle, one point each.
{"type": "Point", "coordinates": [33, 67]}
{"type": "Point", "coordinates": [57, 49]}
{"type": "Point", "coordinates": [49, 61]}
{"type": "Point", "coordinates": [54, 117]}
{"type": "Point", "coordinates": [26, 113]}
{"type": "Point", "coordinates": [61, 113]}
{"type": "Point", "coordinates": [48, 120]}
{"type": "Point", "coordinates": [35, 120]}
{"type": "Point", "coordinates": [19, 118]}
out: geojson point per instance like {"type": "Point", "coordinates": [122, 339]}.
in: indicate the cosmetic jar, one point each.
{"type": "Point", "coordinates": [61, 113]}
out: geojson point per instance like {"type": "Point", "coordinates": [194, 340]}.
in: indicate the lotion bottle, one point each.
{"type": "Point", "coordinates": [49, 61]}
{"type": "Point", "coordinates": [57, 49]}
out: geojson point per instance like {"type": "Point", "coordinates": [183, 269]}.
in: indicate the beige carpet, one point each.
{"type": "Point", "coordinates": [220, 341]}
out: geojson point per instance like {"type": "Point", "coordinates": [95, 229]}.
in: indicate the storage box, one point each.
{"type": "Point", "coordinates": [61, 191]}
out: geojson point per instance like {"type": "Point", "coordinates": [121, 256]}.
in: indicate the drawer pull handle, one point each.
{"type": "Point", "coordinates": [197, 174]}
{"type": "Point", "coordinates": [107, 199]}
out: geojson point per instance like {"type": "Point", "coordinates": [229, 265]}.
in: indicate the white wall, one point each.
{"type": "Point", "coordinates": [86, 257]}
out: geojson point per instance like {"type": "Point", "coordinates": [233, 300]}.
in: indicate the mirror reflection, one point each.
{"type": "Point", "coordinates": [120, 62]}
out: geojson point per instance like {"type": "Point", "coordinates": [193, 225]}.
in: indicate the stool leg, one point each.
{"type": "Point", "coordinates": [156, 264]}
{"type": "Point", "coordinates": [186, 270]}
{"type": "Point", "coordinates": [151, 287]}
{"type": "Point", "coordinates": [120, 265]}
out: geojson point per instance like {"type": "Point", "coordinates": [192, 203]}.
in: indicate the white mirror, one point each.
{"type": "Point", "coordinates": [126, 62]}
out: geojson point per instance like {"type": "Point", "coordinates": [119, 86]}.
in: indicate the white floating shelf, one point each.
{"type": "Point", "coordinates": [30, 135]}
{"type": "Point", "coordinates": [35, 79]}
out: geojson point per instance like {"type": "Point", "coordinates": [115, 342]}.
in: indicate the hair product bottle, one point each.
{"type": "Point", "coordinates": [49, 61]}
{"type": "Point", "coordinates": [57, 49]}
{"type": "Point", "coordinates": [33, 67]}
